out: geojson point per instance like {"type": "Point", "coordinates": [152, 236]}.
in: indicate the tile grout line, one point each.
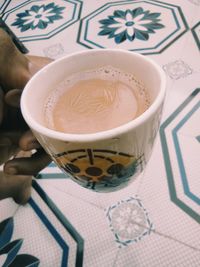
{"type": "Point", "coordinates": [176, 240]}
{"type": "Point", "coordinates": [66, 193]}
{"type": "Point", "coordinates": [169, 237]}
{"type": "Point", "coordinates": [140, 225]}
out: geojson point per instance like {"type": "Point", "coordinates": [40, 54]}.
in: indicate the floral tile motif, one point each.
{"type": "Point", "coordinates": [147, 27]}
{"type": "Point", "coordinates": [177, 69]}
{"type": "Point", "coordinates": [39, 20]}
{"type": "Point", "coordinates": [38, 16]}
{"type": "Point", "coordinates": [130, 25]}
{"type": "Point", "coordinates": [54, 51]}
{"type": "Point", "coordinates": [9, 255]}
{"type": "Point", "coordinates": [129, 221]}
{"type": "Point", "coordinates": [180, 145]}
{"type": "Point", "coordinates": [196, 34]}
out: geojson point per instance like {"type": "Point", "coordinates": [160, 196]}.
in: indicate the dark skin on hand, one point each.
{"type": "Point", "coordinates": [16, 140]}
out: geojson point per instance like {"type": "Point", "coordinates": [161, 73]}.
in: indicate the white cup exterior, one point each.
{"type": "Point", "coordinates": [119, 154]}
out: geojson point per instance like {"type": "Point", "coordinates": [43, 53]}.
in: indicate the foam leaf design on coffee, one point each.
{"type": "Point", "coordinates": [91, 96]}
{"type": "Point", "coordinates": [94, 101]}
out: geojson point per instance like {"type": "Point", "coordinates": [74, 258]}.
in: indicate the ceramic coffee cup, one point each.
{"type": "Point", "coordinates": [104, 161]}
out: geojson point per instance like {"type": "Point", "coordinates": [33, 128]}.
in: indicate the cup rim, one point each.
{"type": "Point", "coordinates": [117, 131]}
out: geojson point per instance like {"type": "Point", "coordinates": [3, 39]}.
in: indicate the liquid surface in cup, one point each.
{"type": "Point", "coordinates": [95, 101]}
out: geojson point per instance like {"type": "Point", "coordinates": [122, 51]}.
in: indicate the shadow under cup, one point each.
{"type": "Point", "coordinates": [104, 161]}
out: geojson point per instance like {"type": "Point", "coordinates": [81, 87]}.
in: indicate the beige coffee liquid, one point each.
{"type": "Point", "coordinates": [95, 101]}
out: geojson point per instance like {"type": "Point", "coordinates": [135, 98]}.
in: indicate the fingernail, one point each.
{"type": "Point", "coordinates": [11, 170]}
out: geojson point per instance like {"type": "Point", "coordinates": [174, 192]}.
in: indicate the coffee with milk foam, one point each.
{"type": "Point", "coordinates": [94, 101]}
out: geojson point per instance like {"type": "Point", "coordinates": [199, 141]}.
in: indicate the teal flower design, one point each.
{"type": "Point", "coordinates": [130, 25]}
{"type": "Point", "coordinates": [38, 17]}
{"type": "Point", "coordinates": [9, 249]}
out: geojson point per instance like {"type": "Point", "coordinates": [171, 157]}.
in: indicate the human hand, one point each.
{"type": "Point", "coordinates": [16, 70]}
{"type": "Point", "coordinates": [15, 182]}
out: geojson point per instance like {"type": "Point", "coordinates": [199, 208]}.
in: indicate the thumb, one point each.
{"type": "Point", "coordinates": [12, 97]}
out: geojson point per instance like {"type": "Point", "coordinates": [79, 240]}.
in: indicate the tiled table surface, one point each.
{"type": "Point", "coordinates": [155, 221]}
